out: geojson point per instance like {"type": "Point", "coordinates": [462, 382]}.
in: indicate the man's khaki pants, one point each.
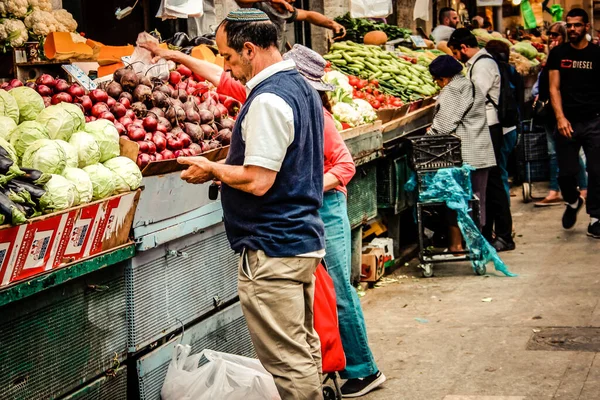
{"type": "Point", "coordinates": [277, 295]}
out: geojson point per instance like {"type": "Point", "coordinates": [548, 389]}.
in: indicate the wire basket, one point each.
{"type": "Point", "coordinates": [431, 152]}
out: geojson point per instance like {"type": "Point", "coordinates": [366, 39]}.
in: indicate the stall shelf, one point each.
{"type": "Point", "coordinates": [178, 282]}
{"type": "Point", "coordinates": [110, 386]}
{"type": "Point", "coordinates": [54, 341]}
{"type": "Point", "coordinates": [224, 331]}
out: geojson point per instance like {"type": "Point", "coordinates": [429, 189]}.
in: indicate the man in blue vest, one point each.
{"type": "Point", "coordinates": [272, 189]}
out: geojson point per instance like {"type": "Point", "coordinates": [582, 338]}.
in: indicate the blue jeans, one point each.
{"type": "Point", "coordinates": [509, 141]}
{"type": "Point", "coordinates": [359, 359]}
{"type": "Point", "coordinates": [581, 178]}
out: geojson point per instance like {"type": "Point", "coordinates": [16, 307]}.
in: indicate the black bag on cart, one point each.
{"type": "Point", "coordinates": [533, 161]}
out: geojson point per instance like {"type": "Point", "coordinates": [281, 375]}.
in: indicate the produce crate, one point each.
{"type": "Point", "coordinates": [225, 331]}
{"type": "Point", "coordinates": [59, 239]}
{"type": "Point", "coordinates": [392, 174]}
{"type": "Point", "coordinates": [111, 386]}
{"type": "Point", "coordinates": [430, 152]}
{"type": "Point", "coordinates": [54, 341]}
{"type": "Point", "coordinates": [177, 283]}
{"type": "Point", "coordinates": [170, 208]}
{"type": "Point", "coordinates": [362, 195]}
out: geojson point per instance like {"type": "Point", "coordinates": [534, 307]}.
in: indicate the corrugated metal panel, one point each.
{"type": "Point", "coordinates": [176, 283]}
{"type": "Point", "coordinates": [362, 195]}
{"type": "Point", "coordinates": [109, 387]}
{"type": "Point", "coordinates": [225, 331]}
{"type": "Point", "coordinates": [53, 342]}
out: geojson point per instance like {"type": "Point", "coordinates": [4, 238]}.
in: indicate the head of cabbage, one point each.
{"type": "Point", "coordinates": [62, 120]}
{"type": "Point", "coordinates": [8, 106]}
{"type": "Point", "coordinates": [7, 125]}
{"type": "Point", "coordinates": [29, 101]}
{"type": "Point", "coordinates": [25, 134]}
{"type": "Point", "coordinates": [12, 153]}
{"type": "Point", "coordinates": [103, 181]}
{"type": "Point", "coordinates": [88, 152]}
{"type": "Point", "coordinates": [60, 194]}
{"type": "Point", "coordinates": [83, 185]}
{"type": "Point", "coordinates": [45, 155]}
{"type": "Point", "coordinates": [107, 136]}
{"type": "Point", "coordinates": [70, 153]}
{"type": "Point", "coordinates": [127, 174]}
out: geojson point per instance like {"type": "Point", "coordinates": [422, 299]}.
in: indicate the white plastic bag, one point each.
{"type": "Point", "coordinates": [421, 10]}
{"type": "Point", "coordinates": [180, 9]}
{"type": "Point", "coordinates": [370, 8]}
{"type": "Point", "coordinates": [224, 377]}
{"type": "Point", "coordinates": [141, 60]}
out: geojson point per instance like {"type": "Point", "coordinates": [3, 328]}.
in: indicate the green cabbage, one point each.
{"type": "Point", "coordinates": [70, 153]}
{"type": "Point", "coordinates": [107, 137]}
{"type": "Point", "coordinates": [88, 152]}
{"type": "Point", "coordinates": [29, 101]}
{"type": "Point", "coordinates": [12, 153]}
{"type": "Point", "coordinates": [8, 106]}
{"type": "Point", "coordinates": [127, 174]}
{"type": "Point", "coordinates": [83, 185]}
{"type": "Point", "coordinates": [25, 134]}
{"type": "Point", "coordinates": [525, 49]}
{"type": "Point", "coordinates": [102, 181]}
{"type": "Point", "coordinates": [62, 120]}
{"type": "Point", "coordinates": [45, 155]}
{"type": "Point", "coordinates": [60, 194]}
{"type": "Point", "coordinates": [7, 125]}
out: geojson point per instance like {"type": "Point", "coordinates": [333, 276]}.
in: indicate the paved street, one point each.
{"type": "Point", "coordinates": [436, 339]}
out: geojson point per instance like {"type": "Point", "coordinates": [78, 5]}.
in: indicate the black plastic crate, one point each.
{"type": "Point", "coordinates": [431, 152]}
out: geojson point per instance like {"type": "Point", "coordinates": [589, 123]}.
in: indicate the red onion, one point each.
{"type": "Point", "coordinates": [98, 109]}
{"type": "Point", "coordinates": [143, 160]}
{"type": "Point", "coordinates": [46, 80]}
{"type": "Point", "coordinates": [61, 86]}
{"type": "Point", "coordinates": [76, 91]}
{"type": "Point", "coordinates": [44, 90]}
{"type": "Point", "coordinates": [60, 97]}
{"type": "Point", "coordinates": [98, 96]}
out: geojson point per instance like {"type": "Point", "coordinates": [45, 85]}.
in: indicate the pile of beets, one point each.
{"type": "Point", "coordinates": [181, 117]}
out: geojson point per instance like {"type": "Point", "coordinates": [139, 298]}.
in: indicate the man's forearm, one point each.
{"type": "Point", "coordinates": [245, 178]}
{"type": "Point", "coordinates": [556, 100]}
{"type": "Point", "coordinates": [315, 18]}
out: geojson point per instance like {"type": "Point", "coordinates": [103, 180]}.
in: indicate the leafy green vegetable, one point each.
{"type": "Point", "coordinates": [83, 185]}
{"type": "Point", "coordinates": [127, 173]}
{"type": "Point", "coordinates": [61, 120]}
{"type": "Point", "coordinates": [106, 136]}
{"type": "Point", "coordinates": [88, 152]}
{"type": "Point", "coordinates": [102, 181]}
{"type": "Point", "coordinates": [7, 125]}
{"type": "Point", "coordinates": [70, 153]}
{"type": "Point", "coordinates": [357, 28]}
{"type": "Point", "coordinates": [60, 194]}
{"type": "Point", "coordinates": [45, 155]}
{"type": "Point", "coordinates": [29, 101]}
{"type": "Point", "coordinates": [25, 134]}
{"type": "Point", "coordinates": [8, 106]}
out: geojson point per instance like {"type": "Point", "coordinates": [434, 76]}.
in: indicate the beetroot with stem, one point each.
{"type": "Point", "coordinates": [129, 80]}
{"type": "Point", "coordinates": [195, 131]}
{"type": "Point", "coordinates": [196, 149]}
{"type": "Point", "coordinates": [118, 74]}
{"type": "Point", "coordinates": [144, 80]}
{"type": "Point", "coordinates": [159, 99]}
{"type": "Point", "coordinates": [126, 95]}
{"type": "Point", "coordinates": [227, 123]}
{"type": "Point", "coordinates": [224, 136]}
{"type": "Point", "coordinates": [157, 112]}
{"type": "Point", "coordinates": [142, 93]}
{"type": "Point", "coordinates": [192, 116]}
{"type": "Point", "coordinates": [206, 117]}
{"type": "Point", "coordinates": [139, 109]}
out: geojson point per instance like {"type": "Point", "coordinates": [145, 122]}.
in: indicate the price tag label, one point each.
{"type": "Point", "coordinates": [418, 41]}
{"type": "Point", "coordinates": [80, 77]}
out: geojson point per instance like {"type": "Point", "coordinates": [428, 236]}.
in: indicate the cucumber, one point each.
{"type": "Point", "coordinates": [339, 62]}
{"type": "Point", "coordinates": [372, 67]}
{"type": "Point", "coordinates": [336, 56]}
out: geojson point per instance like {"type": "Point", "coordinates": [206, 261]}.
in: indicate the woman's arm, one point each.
{"type": "Point", "coordinates": [337, 154]}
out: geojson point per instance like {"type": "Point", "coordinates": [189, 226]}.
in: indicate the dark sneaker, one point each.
{"type": "Point", "coordinates": [570, 216]}
{"type": "Point", "coordinates": [361, 386]}
{"type": "Point", "coordinates": [502, 245]}
{"type": "Point", "coordinates": [594, 230]}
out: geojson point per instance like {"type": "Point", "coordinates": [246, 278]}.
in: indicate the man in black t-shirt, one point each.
{"type": "Point", "coordinates": [575, 94]}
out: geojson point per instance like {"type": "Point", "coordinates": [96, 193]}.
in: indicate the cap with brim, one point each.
{"type": "Point", "coordinates": [247, 15]}
{"type": "Point", "coordinates": [445, 67]}
{"type": "Point", "coordinates": [311, 66]}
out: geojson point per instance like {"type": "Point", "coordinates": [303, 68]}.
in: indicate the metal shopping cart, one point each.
{"type": "Point", "coordinates": [532, 155]}
{"type": "Point", "coordinates": [429, 154]}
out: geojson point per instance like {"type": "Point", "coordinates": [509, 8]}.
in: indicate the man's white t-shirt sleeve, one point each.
{"type": "Point", "coordinates": [267, 130]}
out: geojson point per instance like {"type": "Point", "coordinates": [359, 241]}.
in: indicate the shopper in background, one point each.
{"type": "Point", "coordinates": [484, 72]}
{"type": "Point", "coordinates": [281, 12]}
{"type": "Point", "coordinates": [500, 51]}
{"type": "Point", "coordinates": [278, 231]}
{"type": "Point", "coordinates": [448, 20]}
{"type": "Point", "coordinates": [460, 110]}
{"type": "Point", "coordinates": [574, 70]}
{"type": "Point", "coordinates": [557, 34]}
{"type": "Point", "coordinates": [361, 371]}
{"type": "Point", "coordinates": [477, 22]}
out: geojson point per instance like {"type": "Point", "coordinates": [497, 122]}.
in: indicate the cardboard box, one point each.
{"type": "Point", "coordinates": [371, 264]}
{"type": "Point", "coordinates": [387, 245]}
{"type": "Point", "coordinates": [55, 240]}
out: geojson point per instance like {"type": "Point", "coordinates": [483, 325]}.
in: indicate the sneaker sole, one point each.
{"type": "Point", "coordinates": [576, 214]}
{"type": "Point", "coordinates": [367, 389]}
{"type": "Point", "coordinates": [592, 235]}
{"type": "Point", "coordinates": [562, 203]}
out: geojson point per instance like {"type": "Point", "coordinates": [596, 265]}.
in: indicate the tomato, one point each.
{"type": "Point", "coordinates": [376, 92]}
{"type": "Point", "coordinates": [397, 103]}
{"type": "Point", "coordinates": [353, 81]}
{"type": "Point", "coordinates": [362, 83]}
{"type": "Point", "coordinates": [369, 90]}
{"type": "Point", "coordinates": [375, 103]}
{"type": "Point", "coordinates": [374, 82]}
{"type": "Point", "coordinates": [380, 98]}
{"type": "Point", "coordinates": [359, 94]}
{"type": "Point", "coordinates": [369, 98]}
{"type": "Point", "coordinates": [345, 125]}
